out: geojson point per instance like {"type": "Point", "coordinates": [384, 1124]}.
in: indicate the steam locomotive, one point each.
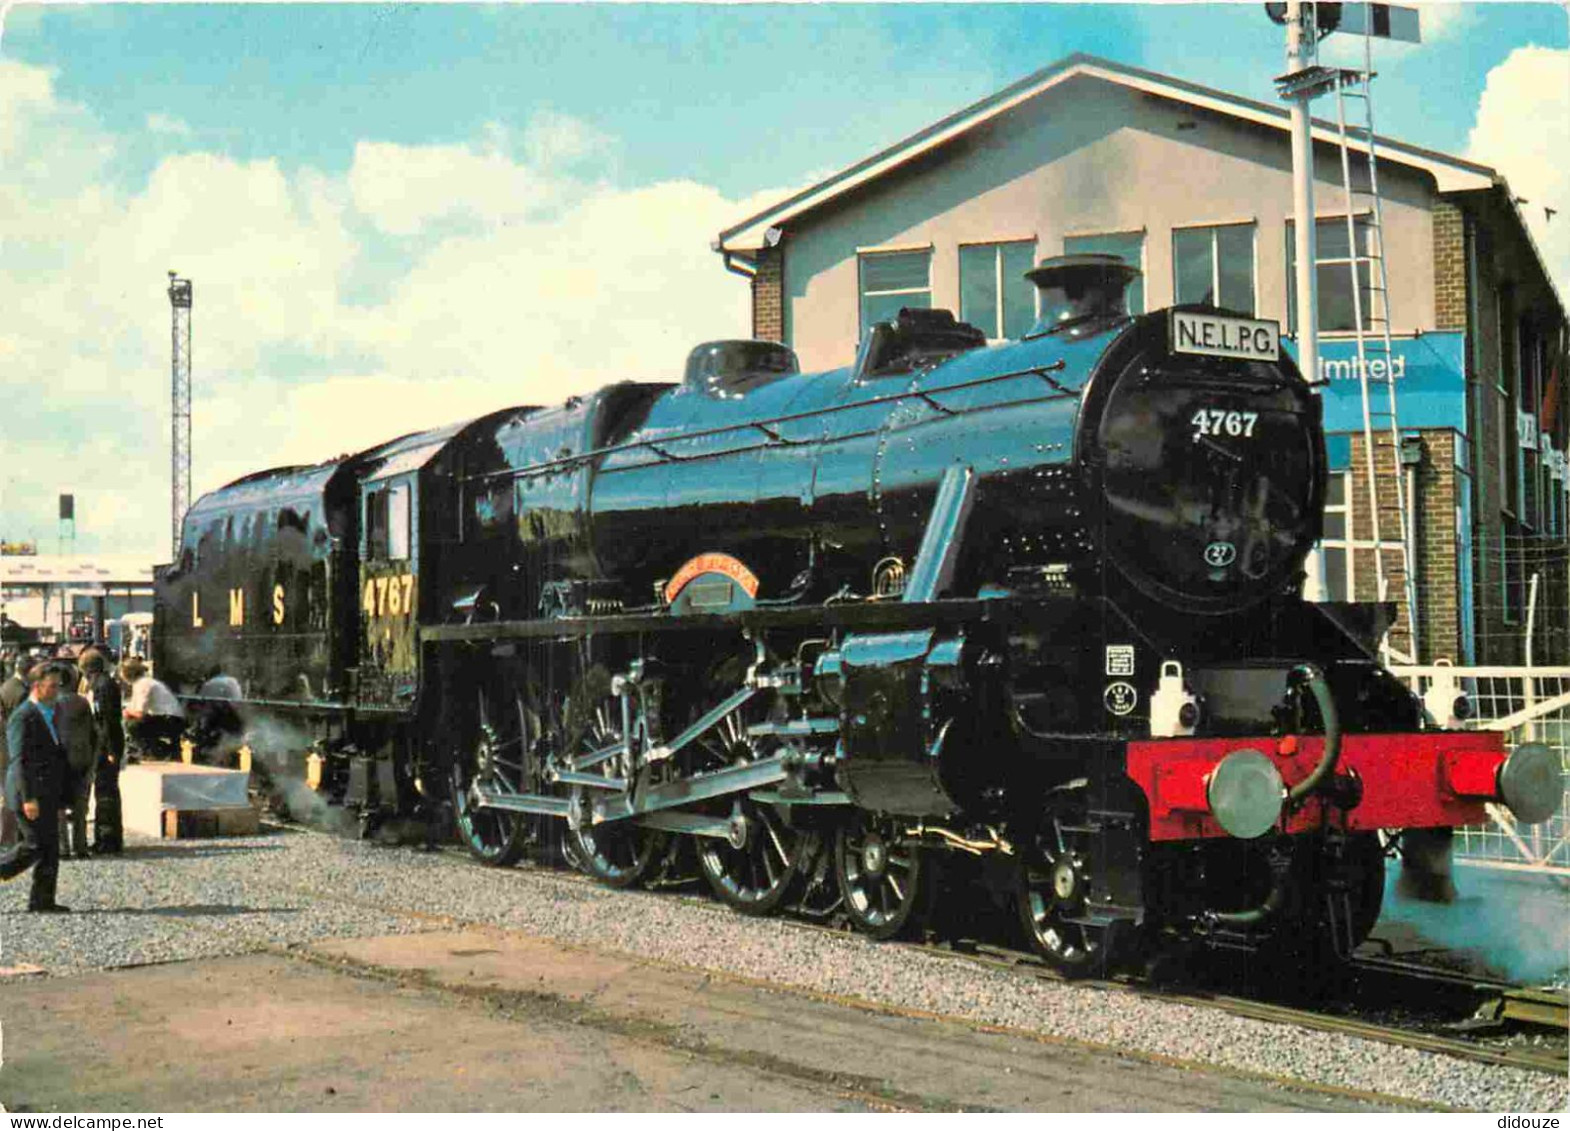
{"type": "Point", "coordinates": [1033, 604]}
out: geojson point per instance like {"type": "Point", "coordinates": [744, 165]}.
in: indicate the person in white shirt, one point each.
{"type": "Point", "coordinates": [154, 718]}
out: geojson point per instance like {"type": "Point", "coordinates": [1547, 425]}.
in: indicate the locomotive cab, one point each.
{"type": "Point", "coordinates": [398, 514]}
{"type": "Point", "coordinates": [389, 572]}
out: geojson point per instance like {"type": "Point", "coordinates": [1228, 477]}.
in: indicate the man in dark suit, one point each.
{"type": "Point", "coordinates": [104, 691]}
{"type": "Point", "coordinates": [34, 787]}
{"type": "Point", "coordinates": [76, 726]}
{"type": "Point", "coordinates": [13, 693]}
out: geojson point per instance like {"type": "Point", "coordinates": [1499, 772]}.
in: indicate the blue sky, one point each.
{"type": "Point", "coordinates": [736, 96]}
{"type": "Point", "coordinates": [397, 215]}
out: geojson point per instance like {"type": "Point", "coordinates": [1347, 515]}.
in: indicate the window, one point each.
{"type": "Point", "coordinates": [376, 526]}
{"type": "Point", "coordinates": [1337, 543]}
{"type": "Point", "coordinates": [891, 280]}
{"type": "Point", "coordinates": [398, 523]}
{"type": "Point", "coordinates": [1128, 246]}
{"type": "Point", "coordinates": [1529, 463]}
{"type": "Point", "coordinates": [387, 524]}
{"type": "Point", "coordinates": [1528, 489]}
{"type": "Point", "coordinates": [1214, 266]}
{"type": "Point", "coordinates": [1348, 560]}
{"type": "Point", "coordinates": [1466, 590]}
{"type": "Point", "coordinates": [1507, 444]}
{"type": "Point", "coordinates": [1551, 496]}
{"type": "Point", "coordinates": [1333, 259]}
{"type": "Point", "coordinates": [994, 294]}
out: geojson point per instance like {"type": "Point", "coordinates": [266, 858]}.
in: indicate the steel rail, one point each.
{"type": "Point", "coordinates": [1032, 966]}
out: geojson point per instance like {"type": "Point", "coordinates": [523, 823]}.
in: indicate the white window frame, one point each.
{"type": "Point", "coordinates": [1345, 543]}
{"type": "Point", "coordinates": [1348, 545]}
{"type": "Point", "coordinates": [399, 522]}
{"type": "Point", "coordinates": [1215, 259]}
{"type": "Point", "coordinates": [1362, 222]}
{"type": "Point", "coordinates": [862, 294]}
{"type": "Point", "coordinates": [995, 331]}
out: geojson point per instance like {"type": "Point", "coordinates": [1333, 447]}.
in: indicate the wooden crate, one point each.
{"type": "Point", "coordinates": [197, 824]}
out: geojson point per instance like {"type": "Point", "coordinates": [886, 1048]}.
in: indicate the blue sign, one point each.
{"type": "Point", "coordinates": [1429, 371]}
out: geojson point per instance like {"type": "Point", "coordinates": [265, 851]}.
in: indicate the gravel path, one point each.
{"type": "Point", "coordinates": [188, 899]}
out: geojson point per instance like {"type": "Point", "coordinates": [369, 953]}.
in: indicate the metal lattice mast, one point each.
{"type": "Point", "coordinates": [180, 412]}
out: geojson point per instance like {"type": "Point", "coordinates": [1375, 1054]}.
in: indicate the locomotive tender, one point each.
{"type": "Point", "coordinates": [1034, 603]}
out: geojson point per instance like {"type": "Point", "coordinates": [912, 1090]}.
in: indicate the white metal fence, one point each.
{"type": "Point", "coordinates": [1531, 705]}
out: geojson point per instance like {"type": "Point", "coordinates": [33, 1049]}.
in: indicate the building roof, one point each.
{"type": "Point", "coordinates": [71, 569]}
{"type": "Point", "coordinates": [1451, 174]}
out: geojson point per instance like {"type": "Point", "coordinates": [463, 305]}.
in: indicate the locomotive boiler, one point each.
{"type": "Point", "coordinates": [1034, 604]}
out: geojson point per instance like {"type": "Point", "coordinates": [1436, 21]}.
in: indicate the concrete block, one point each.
{"type": "Point", "coordinates": [152, 792]}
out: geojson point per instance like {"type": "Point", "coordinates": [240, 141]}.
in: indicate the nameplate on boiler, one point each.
{"type": "Point", "coordinates": [1217, 335]}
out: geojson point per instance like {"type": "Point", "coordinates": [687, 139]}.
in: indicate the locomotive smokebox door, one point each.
{"type": "Point", "coordinates": [389, 591]}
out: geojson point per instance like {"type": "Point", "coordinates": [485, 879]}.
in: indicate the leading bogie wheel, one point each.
{"type": "Point", "coordinates": [492, 758]}
{"type": "Point", "coordinates": [881, 876]}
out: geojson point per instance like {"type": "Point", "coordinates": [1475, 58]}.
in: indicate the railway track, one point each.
{"type": "Point", "coordinates": [1526, 1006]}
{"type": "Point", "coordinates": [1428, 999]}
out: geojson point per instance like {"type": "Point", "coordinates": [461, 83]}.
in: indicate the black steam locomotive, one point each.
{"type": "Point", "coordinates": [1035, 604]}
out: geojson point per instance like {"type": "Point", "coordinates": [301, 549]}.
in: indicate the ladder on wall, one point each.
{"type": "Point", "coordinates": [1372, 330]}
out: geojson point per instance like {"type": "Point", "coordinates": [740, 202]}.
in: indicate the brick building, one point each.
{"type": "Point", "coordinates": [1194, 185]}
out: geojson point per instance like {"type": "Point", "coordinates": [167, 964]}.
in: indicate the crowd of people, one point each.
{"type": "Point", "coordinates": [64, 738]}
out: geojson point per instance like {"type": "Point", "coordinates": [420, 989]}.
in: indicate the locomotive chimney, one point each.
{"type": "Point", "coordinates": [1075, 288]}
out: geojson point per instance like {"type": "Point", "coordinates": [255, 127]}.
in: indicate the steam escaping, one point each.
{"type": "Point", "coordinates": [278, 752]}
{"type": "Point", "coordinates": [1515, 926]}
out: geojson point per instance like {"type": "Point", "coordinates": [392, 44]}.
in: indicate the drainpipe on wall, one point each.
{"type": "Point", "coordinates": [1478, 422]}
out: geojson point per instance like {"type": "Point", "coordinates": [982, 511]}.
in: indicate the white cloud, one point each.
{"type": "Point", "coordinates": [51, 156]}
{"type": "Point", "coordinates": [502, 280]}
{"type": "Point", "coordinates": [1445, 21]}
{"type": "Point", "coordinates": [403, 189]}
{"type": "Point", "coordinates": [1523, 131]}
{"type": "Point", "coordinates": [167, 124]}
{"type": "Point", "coordinates": [553, 140]}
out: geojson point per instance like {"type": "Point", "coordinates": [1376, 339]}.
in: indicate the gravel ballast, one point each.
{"type": "Point", "coordinates": [177, 900]}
